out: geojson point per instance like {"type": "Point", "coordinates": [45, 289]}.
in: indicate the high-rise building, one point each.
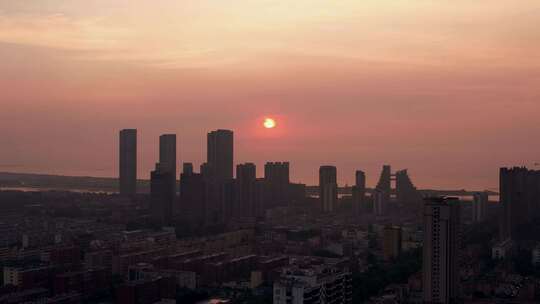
{"type": "Point", "coordinates": [276, 175]}
{"type": "Point", "coordinates": [162, 199]}
{"type": "Point", "coordinates": [218, 171]}
{"type": "Point", "coordinates": [246, 177]}
{"type": "Point", "coordinates": [167, 158]}
{"type": "Point", "coordinates": [384, 186]}
{"type": "Point", "coordinates": [391, 242]}
{"type": "Point", "coordinates": [227, 200]}
{"type": "Point", "coordinates": [167, 153]}
{"type": "Point", "coordinates": [193, 200]}
{"type": "Point", "coordinates": [328, 188]}
{"type": "Point", "coordinates": [128, 162]}
{"type": "Point", "coordinates": [220, 154]}
{"type": "Point", "coordinates": [359, 192]}
{"type": "Point", "coordinates": [205, 170]}
{"type": "Point", "coordinates": [379, 202]}
{"type": "Point", "coordinates": [187, 168]}
{"type": "Point", "coordinates": [520, 199]}
{"type": "Point", "coordinates": [479, 206]}
{"type": "Point", "coordinates": [406, 192]}
{"type": "Point", "coordinates": [260, 194]}
{"type": "Point", "coordinates": [297, 193]}
{"type": "Point", "coordinates": [441, 251]}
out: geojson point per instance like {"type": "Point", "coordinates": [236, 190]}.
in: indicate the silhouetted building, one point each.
{"type": "Point", "coordinates": [246, 177]}
{"type": "Point", "coordinates": [220, 154]}
{"type": "Point", "coordinates": [406, 192]}
{"type": "Point", "coordinates": [216, 200]}
{"type": "Point", "coordinates": [167, 157]}
{"type": "Point", "coordinates": [228, 200]}
{"type": "Point", "coordinates": [218, 171]}
{"type": "Point", "coordinates": [187, 168]}
{"type": "Point", "coordinates": [162, 198]}
{"type": "Point", "coordinates": [260, 193]}
{"type": "Point", "coordinates": [193, 202]}
{"type": "Point", "coordinates": [167, 153]}
{"type": "Point", "coordinates": [359, 193]}
{"type": "Point", "coordinates": [384, 186]}
{"type": "Point", "coordinates": [479, 206]}
{"type": "Point", "coordinates": [328, 188]}
{"type": "Point", "coordinates": [297, 192]}
{"type": "Point", "coordinates": [128, 162]}
{"type": "Point", "coordinates": [205, 170]}
{"type": "Point", "coordinates": [276, 175]}
{"type": "Point", "coordinates": [391, 242]}
{"type": "Point", "coordinates": [379, 202]}
{"type": "Point", "coordinates": [520, 199]}
{"type": "Point", "coordinates": [441, 251]}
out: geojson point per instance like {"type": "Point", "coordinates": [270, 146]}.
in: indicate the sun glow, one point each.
{"type": "Point", "coordinates": [269, 123]}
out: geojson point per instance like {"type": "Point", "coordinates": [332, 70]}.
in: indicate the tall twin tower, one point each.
{"type": "Point", "coordinates": [219, 165]}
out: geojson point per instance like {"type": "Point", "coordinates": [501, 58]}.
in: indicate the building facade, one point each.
{"type": "Point", "coordinates": [320, 284]}
{"type": "Point", "coordinates": [359, 193]}
{"type": "Point", "coordinates": [276, 176]}
{"type": "Point", "coordinates": [441, 251]}
{"type": "Point", "coordinates": [328, 188]}
{"type": "Point", "coordinates": [220, 154]}
{"type": "Point", "coordinates": [162, 198]}
{"type": "Point", "coordinates": [479, 206]}
{"type": "Point", "coordinates": [246, 177]}
{"type": "Point", "coordinates": [128, 162]}
{"type": "Point", "coordinates": [520, 199]}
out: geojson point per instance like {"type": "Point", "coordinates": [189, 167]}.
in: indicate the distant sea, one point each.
{"type": "Point", "coordinates": [44, 189]}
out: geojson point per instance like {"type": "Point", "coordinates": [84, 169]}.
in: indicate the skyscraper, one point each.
{"type": "Point", "coordinates": [220, 154]}
{"type": "Point", "coordinates": [328, 188]}
{"type": "Point", "coordinates": [205, 170]}
{"type": "Point", "coordinates": [128, 162]}
{"type": "Point", "coordinates": [167, 153]}
{"type": "Point", "coordinates": [520, 199]}
{"type": "Point", "coordinates": [162, 199]}
{"type": "Point", "coordinates": [479, 206]}
{"type": "Point", "coordinates": [187, 168]}
{"type": "Point", "coordinates": [193, 199]}
{"type": "Point", "coordinates": [359, 192]}
{"type": "Point", "coordinates": [246, 177]}
{"type": "Point", "coordinates": [384, 186]}
{"type": "Point", "coordinates": [406, 192]}
{"type": "Point", "coordinates": [276, 176]}
{"type": "Point", "coordinates": [260, 193]}
{"type": "Point", "coordinates": [441, 251]}
{"type": "Point", "coordinates": [218, 172]}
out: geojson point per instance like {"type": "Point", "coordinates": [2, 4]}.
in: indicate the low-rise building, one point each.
{"type": "Point", "coordinates": [502, 250]}
{"type": "Point", "coordinates": [313, 282]}
{"type": "Point", "coordinates": [27, 277]}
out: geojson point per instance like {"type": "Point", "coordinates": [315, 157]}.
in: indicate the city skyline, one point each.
{"type": "Point", "coordinates": [269, 151]}
{"type": "Point", "coordinates": [445, 89]}
{"type": "Point", "coordinates": [344, 177]}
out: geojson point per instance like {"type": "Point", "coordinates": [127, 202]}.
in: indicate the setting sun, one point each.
{"type": "Point", "coordinates": [269, 123]}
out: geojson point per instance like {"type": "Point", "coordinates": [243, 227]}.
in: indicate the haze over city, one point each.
{"type": "Point", "coordinates": [446, 89]}
{"type": "Point", "coordinates": [269, 152]}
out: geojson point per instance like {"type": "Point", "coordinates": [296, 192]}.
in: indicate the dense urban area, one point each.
{"type": "Point", "coordinates": [219, 236]}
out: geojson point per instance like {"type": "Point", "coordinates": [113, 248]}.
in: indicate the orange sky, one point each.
{"type": "Point", "coordinates": [448, 89]}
